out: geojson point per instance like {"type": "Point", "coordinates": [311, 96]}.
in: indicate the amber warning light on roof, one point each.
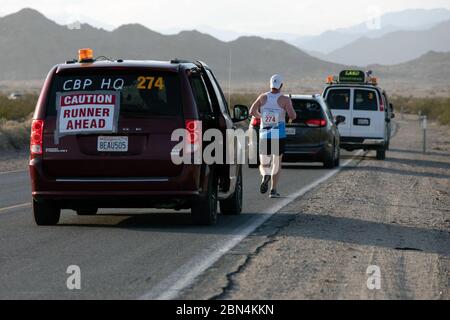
{"type": "Point", "coordinates": [86, 55]}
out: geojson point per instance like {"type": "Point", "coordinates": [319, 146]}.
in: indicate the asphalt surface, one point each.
{"type": "Point", "coordinates": [126, 253]}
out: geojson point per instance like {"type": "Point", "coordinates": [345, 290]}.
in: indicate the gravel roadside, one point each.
{"type": "Point", "coordinates": [13, 160]}
{"type": "Point", "coordinates": [393, 214]}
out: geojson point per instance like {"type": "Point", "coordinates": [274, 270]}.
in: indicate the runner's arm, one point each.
{"type": "Point", "coordinates": [254, 110]}
{"type": "Point", "coordinates": [290, 109]}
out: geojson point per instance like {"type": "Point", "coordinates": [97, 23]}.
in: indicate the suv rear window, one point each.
{"type": "Point", "coordinates": [307, 109]}
{"type": "Point", "coordinates": [365, 100]}
{"type": "Point", "coordinates": [339, 99]}
{"type": "Point", "coordinates": [142, 94]}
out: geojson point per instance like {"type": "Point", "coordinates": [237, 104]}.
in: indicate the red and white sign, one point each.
{"type": "Point", "coordinates": [87, 112]}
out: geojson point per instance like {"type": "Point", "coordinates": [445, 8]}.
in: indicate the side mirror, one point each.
{"type": "Point", "coordinates": [339, 120]}
{"type": "Point", "coordinates": [392, 115]}
{"type": "Point", "coordinates": [240, 113]}
{"type": "Point", "coordinates": [391, 106]}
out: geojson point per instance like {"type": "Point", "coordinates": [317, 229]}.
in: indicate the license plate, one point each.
{"type": "Point", "coordinates": [290, 131]}
{"type": "Point", "coordinates": [362, 122]}
{"type": "Point", "coordinates": [112, 144]}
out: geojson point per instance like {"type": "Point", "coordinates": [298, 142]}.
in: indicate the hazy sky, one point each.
{"type": "Point", "coordinates": [244, 16]}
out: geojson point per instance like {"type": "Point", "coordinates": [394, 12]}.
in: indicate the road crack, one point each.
{"type": "Point", "coordinates": [269, 239]}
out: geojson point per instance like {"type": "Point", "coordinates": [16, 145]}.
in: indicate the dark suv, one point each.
{"type": "Point", "coordinates": [312, 137]}
{"type": "Point", "coordinates": [102, 138]}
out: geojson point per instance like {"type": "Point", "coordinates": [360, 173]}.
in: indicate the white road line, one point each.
{"type": "Point", "coordinates": [184, 276]}
{"type": "Point", "coordinates": [14, 171]}
{"type": "Point", "coordinates": [16, 206]}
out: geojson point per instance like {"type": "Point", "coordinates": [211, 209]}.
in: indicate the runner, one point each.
{"type": "Point", "coordinates": [271, 108]}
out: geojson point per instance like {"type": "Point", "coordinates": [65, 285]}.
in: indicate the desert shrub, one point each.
{"type": "Point", "coordinates": [435, 108]}
{"type": "Point", "coordinates": [14, 135]}
{"type": "Point", "coordinates": [19, 109]}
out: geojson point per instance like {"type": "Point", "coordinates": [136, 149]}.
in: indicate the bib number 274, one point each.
{"type": "Point", "coordinates": [270, 119]}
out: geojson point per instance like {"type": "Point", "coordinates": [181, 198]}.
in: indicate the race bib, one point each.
{"type": "Point", "coordinates": [270, 119]}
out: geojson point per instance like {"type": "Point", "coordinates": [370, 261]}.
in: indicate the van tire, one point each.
{"type": "Point", "coordinates": [45, 213]}
{"type": "Point", "coordinates": [381, 154]}
{"type": "Point", "coordinates": [87, 211]}
{"type": "Point", "coordinates": [337, 161]}
{"type": "Point", "coordinates": [204, 211]}
{"type": "Point", "coordinates": [329, 161]}
{"type": "Point", "coordinates": [233, 205]}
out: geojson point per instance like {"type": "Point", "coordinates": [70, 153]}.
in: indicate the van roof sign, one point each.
{"type": "Point", "coordinates": [352, 76]}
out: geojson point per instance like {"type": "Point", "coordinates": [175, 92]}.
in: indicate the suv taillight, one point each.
{"type": "Point", "coordinates": [256, 122]}
{"type": "Point", "coordinates": [381, 107]}
{"type": "Point", "coordinates": [37, 131]}
{"type": "Point", "coordinates": [316, 123]}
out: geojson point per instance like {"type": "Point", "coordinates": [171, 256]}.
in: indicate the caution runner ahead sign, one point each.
{"type": "Point", "coordinates": [87, 112]}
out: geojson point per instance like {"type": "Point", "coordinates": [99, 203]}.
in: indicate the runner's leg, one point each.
{"type": "Point", "coordinates": [265, 167]}
{"type": "Point", "coordinates": [265, 170]}
{"type": "Point", "coordinates": [276, 170]}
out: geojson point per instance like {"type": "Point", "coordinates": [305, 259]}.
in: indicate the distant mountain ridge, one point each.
{"type": "Point", "coordinates": [30, 44]}
{"type": "Point", "coordinates": [395, 47]}
{"type": "Point", "coordinates": [407, 20]}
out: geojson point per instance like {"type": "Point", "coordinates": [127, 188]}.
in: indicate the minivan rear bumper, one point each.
{"type": "Point", "coordinates": [304, 154]}
{"type": "Point", "coordinates": [362, 143]}
{"type": "Point", "coordinates": [116, 192]}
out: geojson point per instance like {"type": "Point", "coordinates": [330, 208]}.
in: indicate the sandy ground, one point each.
{"type": "Point", "coordinates": [13, 160]}
{"type": "Point", "coordinates": [392, 214]}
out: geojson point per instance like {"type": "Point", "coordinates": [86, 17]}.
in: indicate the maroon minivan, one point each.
{"type": "Point", "coordinates": [101, 138]}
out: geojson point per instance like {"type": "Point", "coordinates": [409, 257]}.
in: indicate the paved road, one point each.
{"type": "Point", "coordinates": [125, 254]}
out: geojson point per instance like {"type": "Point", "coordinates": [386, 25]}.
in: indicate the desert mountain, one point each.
{"type": "Point", "coordinates": [395, 47]}
{"type": "Point", "coordinates": [412, 19]}
{"type": "Point", "coordinates": [30, 44]}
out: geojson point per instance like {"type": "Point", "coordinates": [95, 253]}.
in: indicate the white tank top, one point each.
{"type": "Point", "coordinates": [272, 118]}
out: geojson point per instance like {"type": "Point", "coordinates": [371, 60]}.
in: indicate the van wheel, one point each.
{"type": "Point", "coordinates": [204, 211]}
{"type": "Point", "coordinates": [330, 159]}
{"type": "Point", "coordinates": [381, 154]}
{"type": "Point", "coordinates": [87, 211]}
{"type": "Point", "coordinates": [45, 213]}
{"type": "Point", "coordinates": [233, 205]}
{"type": "Point", "coordinates": [337, 161]}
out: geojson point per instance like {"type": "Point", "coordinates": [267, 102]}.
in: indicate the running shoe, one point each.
{"type": "Point", "coordinates": [274, 194]}
{"type": "Point", "coordinates": [264, 184]}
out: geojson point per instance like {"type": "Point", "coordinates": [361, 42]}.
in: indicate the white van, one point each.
{"type": "Point", "coordinates": [356, 96]}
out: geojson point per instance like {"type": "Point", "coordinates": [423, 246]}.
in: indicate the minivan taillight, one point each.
{"type": "Point", "coordinates": [37, 131]}
{"type": "Point", "coordinates": [193, 142]}
{"type": "Point", "coordinates": [192, 127]}
{"type": "Point", "coordinates": [316, 123]}
{"type": "Point", "coordinates": [256, 122]}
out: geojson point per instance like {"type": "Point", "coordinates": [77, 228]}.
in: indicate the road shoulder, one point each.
{"type": "Point", "coordinates": [16, 160]}
{"type": "Point", "coordinates": [389, 214]}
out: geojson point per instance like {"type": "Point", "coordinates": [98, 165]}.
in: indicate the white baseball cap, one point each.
{"type": "Point", "coordinates": [276, 81]}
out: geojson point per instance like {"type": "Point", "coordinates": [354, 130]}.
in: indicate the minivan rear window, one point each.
{"type": "Point", "coordinates": [339, 99]}
{"type": "Point", "coordinates": [200, 95]}
{"type": "Point", "coordinates": [142, 93]}
{"type": "Point", "coordinates": [365, 100]}
{"type": "Point", "coordinates": [307, 110]}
